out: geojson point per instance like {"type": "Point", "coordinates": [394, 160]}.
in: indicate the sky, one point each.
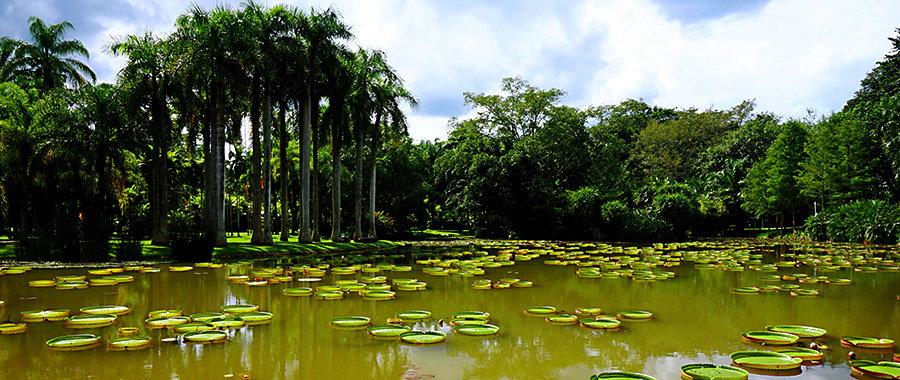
{"type": "Point", "coordinates": [790, 56]}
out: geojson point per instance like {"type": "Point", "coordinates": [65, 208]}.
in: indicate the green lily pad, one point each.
{"type": "Point", "coordinates": [621, 376]}
{"type": "Point", "coordinates": [883, 370]}
{"type": "Point", "coordinates": [473, 315]}
{"type": "Point", "coordinates": [708, 371]}
{"type": "Point", "coordinates": [90, 320]}
{"type": "Point", "coordinates": [866, 342]}
{"type": "Point", "coordinates": [801, 331]}
{"type": "Point", "coordinates": [477, 329]}
{"type": "Point", "coordinates": [387, 331]}
{"type": "Point", "coordinates": [193, 327]}
{"type": "Point", "coordinates": [562, 319]}
{"type": "Point", "coordinates": [765, 360]}
{"type": "Point", "coordinates": [413, 315]}
{"type": "Point", "coordinates": [600, 323]}
{"type": "Point", "coordinates": [211, 336]}
{"type": "Point", "coordinates": [233, 309]}
{"type": "Point", "coordinates": [73, 342]}
{"type": "Point", "coordinates": [770, 337]}
{"type": "Point", "coordinates": [107, 309]}
{"type": "Point", "coordinates": [351, 322]}
{"type": "Point", "coordinates": [540, 310]}
{"type": "Point", "coordinates": [807, 354]}
{"type": "Point", "coordinates": [129, 343]}
{"type": "Point", "coordinates": [255, 317]}
{"type": "Point", "coordinates": [634, 314]}
{"type": "Point", "coordinates": [423, 337]}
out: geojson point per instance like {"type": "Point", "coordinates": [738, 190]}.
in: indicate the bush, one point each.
{"type": "Point", "coordinates": [870, 221]}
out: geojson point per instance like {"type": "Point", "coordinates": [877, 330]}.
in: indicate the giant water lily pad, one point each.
{"type": "Point", "coordinates": [540, 310]}
{"type": "Point", "coordinates": [387, 331]}
{"type": "Point", "coordinates": [228, 322]}
{"type": "Point", "coordinates": [350, 322]}
{"type": "Point", "coordinates": [130, 343]}
{"type": "Point", "coordinates": [106, 309]}
{"type": "Point", "coordinates": [770, 337]}
{"type": "Point", "coordinates": [883, 370]}
{"type": "Point", "coordinates": [473, 315]}
{"type": "Point", "coordinates": [634, 314]}
{"type": "Point", "coordinates": [254, 318]}
{"type": "Point", "coordinates": [413, 315]}
{"type": "Point", "coordinates": [867, 342]}
{"type": "Point", "coordinates": [476, 329]}
{"type": "Point", "coordinates": [159, 323]}
{"type": "Point", "coordinates": [562, 319]}
{"type": "Point", "coordinates": [600, 323]}
{"type": "Point", "coordinates": [298, 292]}
{"type": "Point", "coordinates": [193, 327]}
{"type": "Point", "coordinates": [807, 354]}
{"type": "Point", "coordinates": [423, 337]}
{"type": "Point", "coordinates": [765, 360]}
{"type": "Point", "coordinates": [211, 336]}
{"type": "Point", "coordinates": [73, 342]}
{"type": "Point", "coordinates": [709, 371]}
{"type": "Point", "coordinates": [801, 331]}
{"type": "Point", "coordinates": [205, 317]}
{"type": "Point", "coordinates": [84, 321]}
{"type": "Point", "coordinates": [12, 328]}
{"type": "Point", "coordinates": [621, 376]}
{"type": "Point", "coordinates": [234, 309]}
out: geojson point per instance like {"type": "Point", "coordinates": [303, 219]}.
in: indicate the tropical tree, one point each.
{"type": "Point", "coordinates": [46, 59]}
{"type": "Point", "coordinates": [147, 79]}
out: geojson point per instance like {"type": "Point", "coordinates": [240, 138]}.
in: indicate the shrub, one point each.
{"type": "Point", "coordinates": [867, 221]}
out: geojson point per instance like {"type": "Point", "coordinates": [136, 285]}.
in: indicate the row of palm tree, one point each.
{"type": "Point", "coordinates": [194, 87]}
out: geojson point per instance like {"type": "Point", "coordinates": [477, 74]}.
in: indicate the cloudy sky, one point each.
{"type": "Point", "coordinates": [789, 55]}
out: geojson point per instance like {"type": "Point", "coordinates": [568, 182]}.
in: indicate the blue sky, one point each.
{"type": "Point", "coordinates": [789, 55]}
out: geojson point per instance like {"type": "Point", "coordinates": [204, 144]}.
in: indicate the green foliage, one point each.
{"type": "Point", "coordinates": [865, 221]}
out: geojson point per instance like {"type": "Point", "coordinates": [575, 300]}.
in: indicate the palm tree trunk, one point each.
{"type": "Point", "coordinates": [314, 180]}
{"type": "Point", "coordinates": [283, 171]}
{"type": "Point", "coordinates": [373, 162]}
{"type": "Point", "coordinates": [267, 163]}
{"type": "Point", "coordinates": [221, 240]}
{"type": "Point", "coordinates": [362, 124]}
{"type": "Point", "coordinates": [336, 171]}
{"type": "Point", "coordinates": [305, 236]}
{"type": "Point", "coordinates": [159, 196]}
{"type": "Point", "coordinates": [256, 175]}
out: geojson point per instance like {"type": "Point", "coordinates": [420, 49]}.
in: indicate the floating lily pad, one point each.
{"type": "Point", "coordinates": [709, 371]}
{"type": "Point", "coordinates": [476, 329]}
{"type": "Point", "coordinates": [423, 337]}
{"type": "Point", "coordinates": [193, 327]}
{"type": "Point", "coordinates": [351, 322]}
{"type": "Point", "coordinates": [801, 331]}
{"type": "Point", "coordinates": [621, 376]}
{"type": "Point", "coordinates": [211, 336]}
{"type": "Point", "coordinates": [634, 314]}
{"type": "Point", "coordinates": [205, 317]}
{"type": "Point", "coordinates": [883, 370]}
{"type": "Point", "coordinates": [765, 360]}
{"type": "Point", "coordinates": [107, 309]}
{"type": "Point", "coordinates": [165, 313]}
{"type": "Point", "coordinates": [180, 268]}
{"type": "Point", "coordinates": [562, 319]}
{"type": "Point", "coordinates": [473, 315]}
{"type": "Point", "coordinates": [413, 315]}
{"type": "Point", "coordinates": [807, 354]}
{"type": "Point", "coordinates": [128, 331]}
{"type": "Point", "coordinates": [867, 342]}
{"type": "Point", "coordinates": [254, 318]}
{"type": "Point", "coordinates": [85, 321]}
{"type": "Point", "coordinates": [770, 337]}
{"type": "Point", "coordinates": [159, 323]}
{"type": "Point", "coordinates": [588, 311]}
{"type": "Point", "coordinates": [329, 294]}
{"type": "Point", "coordinates": [540, 310]}
{"type": "Point", "coordinates": [73, 342]}
{"type": "Point", "coordinates": [228, 322]}
{"type": "Point", "coordinates": [378, 295]}
{"type": "Point", "coordinates": [601, 323]}
{"type": "Point", "coordinates": [233, 309]}
{"type": "Point", "coordinates": [387, 331]}
{"type": "Point", "coordinates": [805, 292]}
{"type": "Point", "coordinates": [12, 328]}
{"type": "Point", "coordinates": [129, 343]}
{"type": "Point", "coordinates": [745, 290]}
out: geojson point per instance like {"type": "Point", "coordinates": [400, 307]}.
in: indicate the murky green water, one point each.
{"type": "Point", "coordinates": [696, 320]}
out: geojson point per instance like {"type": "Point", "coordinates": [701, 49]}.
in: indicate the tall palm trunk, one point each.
{"type": "Point", "coordinates": [336, 128]}
{"type": "Point", "coordinates": [314, 180]}
{"type": "Point", "coordinates": [159, 189]}
{"type": "Point", "coordinates": [256, 175]}
{"type": "Point", "coordinates": [362, 125]}
{"type": "Point", "coordinates": [373, 162]}
{"type": "Point", "coordinates": [305, 236]}
{"type": "Point", "coordinates": [221, 241]}
{"type": "Point", "coordinates": [267, 163]}
{"type": "Point", "coordinates": [283, 171]}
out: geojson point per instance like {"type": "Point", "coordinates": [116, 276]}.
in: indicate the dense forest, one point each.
{"type": "Point", "coordinates": [90, 170]}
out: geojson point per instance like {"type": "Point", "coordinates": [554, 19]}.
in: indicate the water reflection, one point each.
{"type": "Point", "coordinates": [696, 319]}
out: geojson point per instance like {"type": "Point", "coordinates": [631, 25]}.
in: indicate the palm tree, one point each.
{"type": "Point", "coordinates": [146, 78]}
{"type": "Point", "coordinates": [46, 59]}
{"type": "Point", "coordinates": [323, 32]}
{"type": "Point", "coordinates": [7, 49]}
{"type": "Point", "coordinates": [389, 93]}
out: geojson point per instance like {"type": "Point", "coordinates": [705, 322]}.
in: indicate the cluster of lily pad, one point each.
{"type": "Point", "coordinates": [589, 317]}
{"type": "Point", "coordinates": [472, 323]}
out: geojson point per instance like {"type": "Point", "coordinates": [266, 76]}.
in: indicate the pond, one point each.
{"type": "Point", "coordinates": [696, 318]}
